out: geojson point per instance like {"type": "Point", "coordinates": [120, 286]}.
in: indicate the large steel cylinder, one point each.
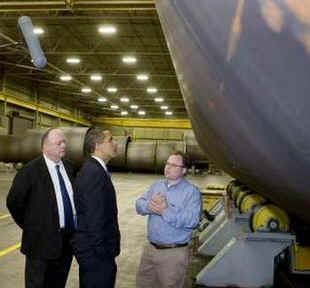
{"type": "Point", "coordinates": [75, 147]}
{"type": "Point", "coordinates": [193, 150]}
{"type": "Point", "coordinates": [243, 68]}
{"type": "Point", "coordinates": [119, 162]}
{"type": "Point", "coordinates": [10, 148]}
{"type": "Point", "coordinates": [28, 146]}
{"type": "Point", "coordinates": [163, 150]}
{"type": "Point", "coordinates": [141, 156]}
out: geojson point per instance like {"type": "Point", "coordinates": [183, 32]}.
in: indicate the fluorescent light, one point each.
{"type": "Point", "coordinates": [112, 89]}
{"type": "Point", "coordinates": [86, 90]}
{"type": "Point", "coordinates": [107, 29]}
{"type": "Point", "coordinates": [168, 113]}
{"type": "Point", "coordinates": [73, 60]}
{"type": "Point", "coordinates": [141, 112]}
{"type": "Point", "coordinates": [96, 77]}
{"type": "Point", "coordinates": [134, 106]}
{"type": "Point", "coordinates": [124, 99]}
{"type": "Point", "coordinates": [159, 99]}
{"type": "Point", "coordinates": [38, 30]}
{"type": "Point", "coordinates": [163, 107]}
{"type": "Point", "coordinates": [114, 106]}
{"type": "Point", "coordinates": [151, 90]}
{"type": "Point", "coordinates": [102, 99]}
{"type": "Point", "coordinates": [123, 113]}
{"type": "Point", "coordinates": [65, 77]}
{"type": "Point", "coordinates": [142, 77]}
{"type": "Point", "coordinates": [129, 59]}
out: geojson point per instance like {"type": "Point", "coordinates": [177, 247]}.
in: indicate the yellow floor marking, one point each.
{"type": "Point", "coordinates": [9, 249]}
{"type": "Point", "coordinates": [5, 216]}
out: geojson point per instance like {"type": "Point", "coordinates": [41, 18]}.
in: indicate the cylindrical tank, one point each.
{"type": "Point", "coordinates": [163, 150]}
{"type": "Point", "coordinates": [10, 148]}
{"type": "Point", "coordinates": [141, 156]}
{"type": "Point", "coordinates": [28, 146]}
{"type": "Point", "coordinates": [243, 69]}
{"type": "Point", "coordinates": [119, 162]}
{"type": "Point", "coordinates": [192, 148]}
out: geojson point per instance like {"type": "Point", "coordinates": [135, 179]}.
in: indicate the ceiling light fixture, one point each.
{"type": "Point", "coordinates": [151, 90]}
{"type": "Point", "coordinates": [114, 107]}
{"type": "Point", "coordinates": [73, 60]}
{"type": "Point", "coordinates": [159, 99]}
{"type": "Point", "coordinates": [65, 77]}
{"type": "Point", "coordinates": [86, 90]}
{"type": "Point", "coordinates": [142, 77]}
{"type": "Point", "coordinates": [134, 106]}
{"type": "Point", "coordinates": [102, 99]}
{"type": "Point", "coordinates": [129, 59]}
{"type": "Point", "coordinates": [125, 99]}
{"type": "Point", "coordinates": [163, 107]}
{"type": "Point", "coordinates": [112, 89]}
{"type": "Point", "coordinates": [141, 112]}
{"type": "Point", "coordinates": [96, 77]}
{"type": "Point", "coordinates": [107, 29]}
{"type": "Point", "coordinates": [169, 113]}
{"type": "Point", "coordinates": [123, 113]}
{"type": "Point", "coordinates": [38, 30]}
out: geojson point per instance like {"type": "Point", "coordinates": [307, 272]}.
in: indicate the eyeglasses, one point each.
{"type": "Point", "coordinates": [173, 165]}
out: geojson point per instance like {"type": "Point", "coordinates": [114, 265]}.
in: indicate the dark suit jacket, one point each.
{"type": "Point", "coordinates": [96, 208]}
{"type": "Point", "coordinates": [32, 203]}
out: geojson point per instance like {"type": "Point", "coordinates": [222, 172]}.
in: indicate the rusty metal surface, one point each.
{"type": "Point", "coordinates": [243, 67]}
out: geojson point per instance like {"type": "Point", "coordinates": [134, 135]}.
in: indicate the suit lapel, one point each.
{"type": "Point", "coordinates": [48, 183]}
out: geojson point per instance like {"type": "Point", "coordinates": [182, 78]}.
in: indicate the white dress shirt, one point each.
{"type": "Point", "coordinates": [102, 164]}
{"type": "Point", "coordinates": [51, 165]}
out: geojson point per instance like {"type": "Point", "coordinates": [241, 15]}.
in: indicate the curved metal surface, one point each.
{"type": "Point", "coordinates": [10, 148]}
{"type": "Point", "coordinates": [193, 150]}
{"type": "Point", "coordinates": [28, 146]}
{"type": "Point", "coordinates": [243, 67]}
{"type": "Point", "coordinates": [163, 150]}
{"type": "Point", "coordinates": [119, 162]}
{"type": "Point", "coordinates": [141, 156]}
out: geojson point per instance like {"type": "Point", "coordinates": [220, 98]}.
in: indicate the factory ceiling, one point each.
{"type": "Point", "coordinates": [75, 29]}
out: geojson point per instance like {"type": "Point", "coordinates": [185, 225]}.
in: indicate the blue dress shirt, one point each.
{"type": "Point", "coordinates": [176, 224]}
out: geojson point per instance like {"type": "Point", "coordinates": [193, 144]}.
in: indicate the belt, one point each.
{"type": "Point", "coordinates": [168, 246]}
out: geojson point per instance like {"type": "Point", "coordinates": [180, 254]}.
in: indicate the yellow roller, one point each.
{"type": "Point", "coordinates": [301, 260]}
{"type": "Point", "coordinates": [250, 201]}
{"type": "Point", "coordinates": [241, 195]}
{"type": "Point", "coordinates": [270, 218]}
{"type": "Point", "coordinates": [235, 190]}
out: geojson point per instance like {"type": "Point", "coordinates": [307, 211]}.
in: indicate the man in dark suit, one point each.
{"type": "Point", "coordinates": [41, 202]}
{"type": "Point", "coordinates": [97, 240]}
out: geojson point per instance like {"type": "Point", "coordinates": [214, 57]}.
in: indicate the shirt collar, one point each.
{"type": "Point", "coordinates": [51, 163]}
{"type": "Point", "coordinates": [174, 183]}
{"type": "Point", "coordinates": [101, 162]}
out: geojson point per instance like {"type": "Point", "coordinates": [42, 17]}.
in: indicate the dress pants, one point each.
{"type": "Point", "coordinates": [97, 271]}
{"type": "Point", "coordinates": [162, 268]}
{"type": "Point", "coordinates": [49, 273]}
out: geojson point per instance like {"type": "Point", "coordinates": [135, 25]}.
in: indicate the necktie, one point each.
{"type": "Point", "coordinates": [69, 221]}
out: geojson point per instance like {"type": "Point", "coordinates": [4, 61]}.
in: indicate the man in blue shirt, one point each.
{"type": "Point", "coordinates": [173, 206]}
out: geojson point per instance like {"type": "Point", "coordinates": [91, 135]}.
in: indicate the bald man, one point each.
{"type": "Point", "coordinates": [41, 203]}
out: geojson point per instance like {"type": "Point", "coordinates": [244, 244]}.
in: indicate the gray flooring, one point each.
{"type": "Point", "coordinates": [129, 186]}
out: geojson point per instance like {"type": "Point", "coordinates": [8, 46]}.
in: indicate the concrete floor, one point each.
{"type": "Point", "coordinates": [129, 187]}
